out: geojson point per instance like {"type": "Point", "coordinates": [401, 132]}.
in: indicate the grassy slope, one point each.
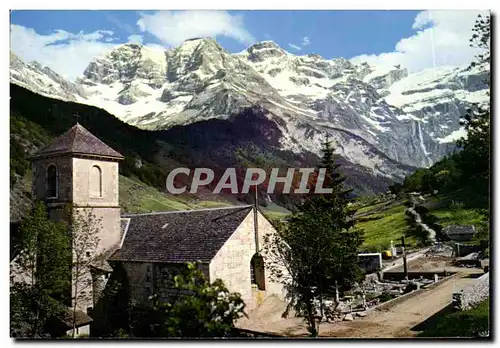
{"type": "Point", "coordinates": [382, 224]}
{"type": "Point", "coordinates": [469, 323]}
{"type": "Point", "coordinates": [136, 197]}
{"type": "Point", "coordinates": [386, 225]}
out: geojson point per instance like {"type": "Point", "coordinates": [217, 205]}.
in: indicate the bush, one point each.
{"type": "Point", "coordinates": [198, 309]}
{"type": "Point", "coordinates": [386, 297]}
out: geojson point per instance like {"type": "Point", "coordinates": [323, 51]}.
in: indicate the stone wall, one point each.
{"type": "Point", "coordinates": [110, 227]}
{"type": "Point", "coordinates": [64, 165]}
{"type": "Point", "coordinates": [163, 278]}
{"type": "Point", "coordinates": [473, 294]}
{"type": "Point", "coordinates": [146, 279]}
{"type": "Point", "coordinates": [232, 263]}
{"type": "Point", "coordinates": [81, 183]}
{"type": "Point", "coordinates": [139, 275]}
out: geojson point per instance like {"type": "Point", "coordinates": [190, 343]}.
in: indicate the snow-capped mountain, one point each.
{"type": "Point", "coordinates": [383, 119]}
{"type": "Point", "coordinates": [43, 80]}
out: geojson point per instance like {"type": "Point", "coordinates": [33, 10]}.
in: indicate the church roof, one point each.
{"type": "Point", "coordinates": [77, 140]}
{"type": "Point", "coordinates": [177, 237]}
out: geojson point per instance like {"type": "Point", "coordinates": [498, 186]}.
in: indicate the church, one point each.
{"type": "Point", "coordinates": [79, 169]}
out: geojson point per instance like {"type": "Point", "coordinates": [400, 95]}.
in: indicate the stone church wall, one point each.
{"type": "Point", "coordinates": [110, 234]}
{"type": "Point", "coordinates": [164, 274]}
{"type": "Point", "coordinates": [146, 279]}
{"type": "Point", "coordinates": [64, 167]}
{"type": "Point", "coordinates": [82, 181]}
{"type": "Point", "coordinates": [232, 263]}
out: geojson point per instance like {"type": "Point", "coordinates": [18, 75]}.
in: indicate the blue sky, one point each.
{"type": "Point", "coordinates": [415, 39]}
{"type": "Point", "coordinates": [331, 33]}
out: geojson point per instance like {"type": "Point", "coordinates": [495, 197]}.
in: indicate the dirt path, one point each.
{"type": "Point", "coordinates": [394, 322]}
{"type": "Point", "coordinates": [398, 320]}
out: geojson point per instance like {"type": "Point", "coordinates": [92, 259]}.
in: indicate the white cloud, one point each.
{"type": "Point", "coordinates": [173, 27]}
{"type": "Point", "coordinates": [305, 41]}
{"type": "Point", "coordinates": [442, 39]}
{"type": "Point", "coordinates": [298, 48]}
{"type": "Point", "coordinates": [120, 24]}
{"type": "Point", "coordinates": [137, 39]}
{"type": "Point", "coordinates": [64, 52]}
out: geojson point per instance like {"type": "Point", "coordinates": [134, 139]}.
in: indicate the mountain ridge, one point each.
{"type": "Point", "coordinates": [385, 120]}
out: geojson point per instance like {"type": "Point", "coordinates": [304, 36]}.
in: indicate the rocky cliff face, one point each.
{"type": "Point", "coordinates": [380, 118]}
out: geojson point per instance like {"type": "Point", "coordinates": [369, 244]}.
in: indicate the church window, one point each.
{"type": "Point", "coordinates": [52, 184]}
{"type": "Point", "coordinates": [257, 275]}
{"type": "Point", "coordinates": [95, 182]}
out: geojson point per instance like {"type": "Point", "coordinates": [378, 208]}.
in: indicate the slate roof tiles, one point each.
{"type": "Point", "coordinates": [177, 237]}
{"type": "Point", "coordinates": [77, 140]}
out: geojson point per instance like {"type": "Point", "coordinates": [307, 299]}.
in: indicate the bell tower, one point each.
{"type": "Point", "coordinates": [79, 169]}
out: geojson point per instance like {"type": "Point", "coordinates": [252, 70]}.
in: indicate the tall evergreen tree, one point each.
{"type": "Point", "coordinates": [317, 247]}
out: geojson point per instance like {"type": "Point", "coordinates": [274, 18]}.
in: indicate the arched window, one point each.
{"type": "Point", "coordinates": [257, 275]}
{"type": "Point", "coordinates": [95, 182]}
{"type": "Point", "coordinates": [52, 181]}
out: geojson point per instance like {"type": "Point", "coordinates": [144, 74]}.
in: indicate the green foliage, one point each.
{"type": "Point", "coordinates": [396, 188]}
{"type": "Point", "coordinates": [316, 249]}
{"type": "Point", "coordinates": [31, 311]}
{"type": "Point", "coordinates": [481, 39]}
{"type": "Point", "coordinates": [24, 134]}
{"type": "Point", "coordinates": [196, 309]}
{"type": "Point", "coordinates": [460, 217]}
{"type": "Point", "coordinates": [390, 225]}
{"type": "Point", "coordinates": [18, 160]}
{"type": "Point", "coordinates": [483, 228]}
{"type": "Point", "coordinates": [443, 176]}
{"type": "Point", "coordinates": [386, 297]}
{"type": "Point", "coordinates": [45, 272]}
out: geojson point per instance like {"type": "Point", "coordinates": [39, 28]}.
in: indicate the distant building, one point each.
{"type": "Point", "coordinates": [461, 233]}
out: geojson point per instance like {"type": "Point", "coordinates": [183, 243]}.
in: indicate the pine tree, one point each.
{"type": "Point", "coordinates": [317, 246]}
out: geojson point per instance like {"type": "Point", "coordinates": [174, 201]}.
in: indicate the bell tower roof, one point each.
{"type": "Point", "coordinates": [77, 140]}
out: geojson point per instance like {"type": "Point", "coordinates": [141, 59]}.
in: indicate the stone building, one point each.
{"type": "Point", "coordinates": [79, 169]}
{"type": "Point", "coordinates": [224, 240]}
